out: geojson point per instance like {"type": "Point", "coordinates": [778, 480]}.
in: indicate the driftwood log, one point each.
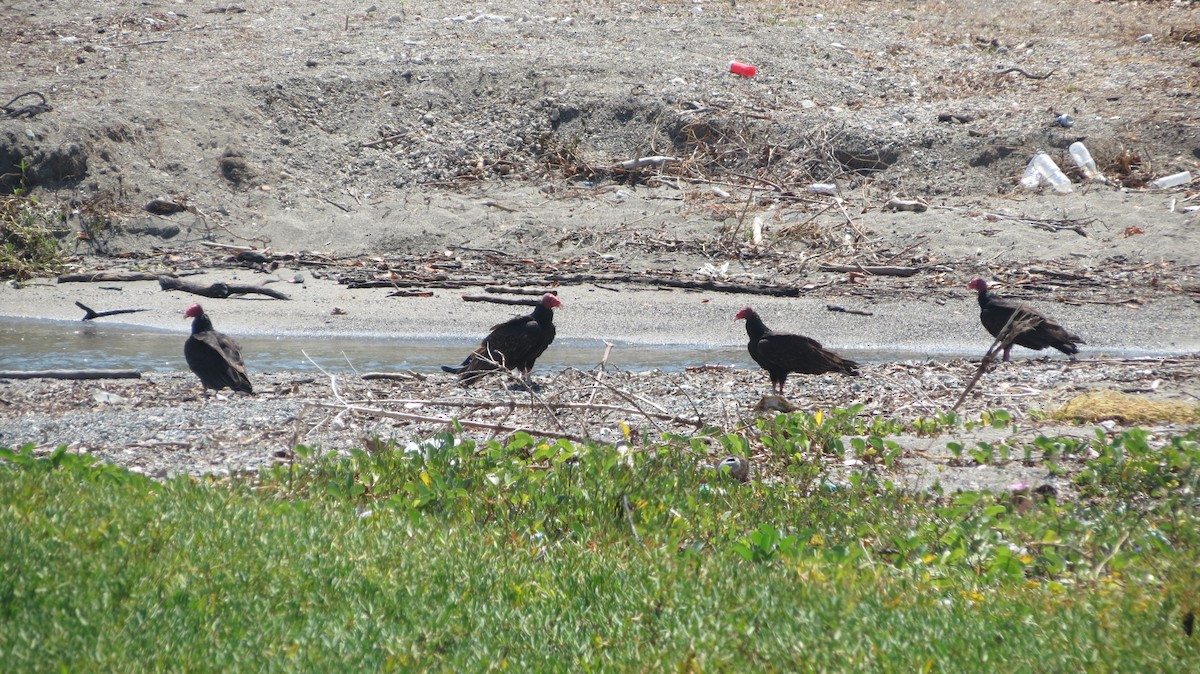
{"type": "Point", "coordinates": [579, 279]}
{"type": "Point", "coordinates": [70, 374]}
{"type": "Point", "coordinates": [515, 291]}
{"type": "Point", "coordinates": [90, 313]}
{"type": "Point", "coordinates": [714, 286]}
{"type": "Point", "coordinates": [218, 290]}
{"type": "Point", "coordinates": [443, 284]}
{"type": "Point", "coordinates": [522, 301]}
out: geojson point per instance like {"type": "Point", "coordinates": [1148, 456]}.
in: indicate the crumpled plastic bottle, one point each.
{"type": "Point", "coordinates": [1042, 168]}
{"type": "Point", "coordinates": [1083, 159]}
{"type": "Point", "coordinates": [1173, 180]}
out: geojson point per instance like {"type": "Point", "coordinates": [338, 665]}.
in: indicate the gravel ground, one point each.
{"type": "Point", "coordinates": [161, 425]}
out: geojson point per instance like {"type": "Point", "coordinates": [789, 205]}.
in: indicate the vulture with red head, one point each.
{"type": "Point", "coordinates": [995, 311]}
{"type": "Point", "coordinates": [512, 345]}
{"type": "Point", "coordinates": [781, 353]}
{"type": "Point", "coordinates": [214, 357]}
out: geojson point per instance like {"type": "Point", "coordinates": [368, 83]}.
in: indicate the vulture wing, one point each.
{"type": "Point", "coordinates": [994, 312]}
{"type": "Point", "coordinates": [513, 344]}
{"type": "Point", "coordinates": [1046, 332]}
{"type": "Point", "coordinates": [217, 361]}
{"type": "Point", "coordinates": [778, 351]}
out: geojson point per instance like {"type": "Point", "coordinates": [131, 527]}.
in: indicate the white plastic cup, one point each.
{"type": "Point", "coordinates": [1173, 180]}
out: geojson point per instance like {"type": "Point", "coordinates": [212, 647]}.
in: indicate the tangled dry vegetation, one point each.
{"type": "Point", "coordinates": [29, 238]}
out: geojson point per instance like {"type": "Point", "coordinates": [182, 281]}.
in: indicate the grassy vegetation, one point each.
{"type": "Point", "coordinates": [28, 238]}
{"type": "Point", "coordinates": [549, 556]}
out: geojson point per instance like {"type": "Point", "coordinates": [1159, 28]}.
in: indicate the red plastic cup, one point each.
{"type": "Point", "coordinates": [743, 69]}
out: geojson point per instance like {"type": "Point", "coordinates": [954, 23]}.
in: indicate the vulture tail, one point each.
{"type": "Point", "coordinates": [460, 368]}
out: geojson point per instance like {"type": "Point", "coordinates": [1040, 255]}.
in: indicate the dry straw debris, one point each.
{"type": "Point", "coordinates": [1104, 405]}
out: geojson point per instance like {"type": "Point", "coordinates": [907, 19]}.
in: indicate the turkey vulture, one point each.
{"type": "Point", "coordinates": [781, 353]}
{"type": "Point", "coordinates": [514, 344]}
{"type": "Point", "coordinates": [994, 312]}
{"type": "Point", "coordinates": [214, 357]}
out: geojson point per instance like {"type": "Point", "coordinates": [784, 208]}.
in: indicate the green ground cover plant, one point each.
{"type": "Point", "coordinates": [534, 555]}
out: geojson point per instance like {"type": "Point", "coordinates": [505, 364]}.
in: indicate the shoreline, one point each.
{"type": "Point", "coordinates": [163, 425]}
{"type": "Point", "coordinates": [628, 315]}
{"type": "Point", "coordinates": [158, 347]}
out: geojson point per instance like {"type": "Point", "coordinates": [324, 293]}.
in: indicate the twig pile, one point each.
{"type": "Point", "coordinates": [583, 406]}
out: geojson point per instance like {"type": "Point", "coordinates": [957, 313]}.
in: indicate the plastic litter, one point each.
{"type": "Point", "coordinates": [1083, 160]}
{"type": "Point", "coordinates": [1173, 180]}
{"type": "Point", "coordinates": [1043, 169]}
{"type": "Point", "coordinates": [897, 204]}
{"type": "Point", "coordinates": [743, 69]}
{"type": "Point", "coordinates": [1032, 176]}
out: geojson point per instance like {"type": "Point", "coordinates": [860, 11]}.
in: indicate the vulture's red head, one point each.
{"type": "Point", "coordinates": [551, 301]}
{"type": "Point", "coordinates": [744, 314]}
{"type": "Point", "coordinates": [978, 285]}
{"type": "Point", "coordinates": [193, 311]}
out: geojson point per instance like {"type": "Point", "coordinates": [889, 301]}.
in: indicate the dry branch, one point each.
{"type": "Point", "coordinates": [599, 407]}
{"type": "Point", "coordinates": [874, 271]}
{"type": "Point", "coordinates": [218, 290]}
{"type": "Point", "coordinates": [70, 374]}
{"type": "Point", "coordinates": [514, 291]}
{"type": "Point", "coordinates": [117, 276]}
{"type": "Point", "coordinates": [500, 300]}
{"type": "Point", "coordinates": [1065, 275]}
{"type": "Point", "coordinates": [1021, 72]}
{"type": "Point", "coordinates": [233, 248]}
{"type": "Point", "coordinates": [632, 398]}
{"type": "Point", "coordinates": [442, 284]}
{"type": "Point", "coordinates": [388, 414]}
{"type": "Point", "coordinates": [844, 310]}
{"type": "Point", "coordinates": [1020, 321]}
{"type": "Point", "coordinates": [388, 140]}
{"type": "Point", "coordinates": [715, 286]}
{"type": "Point", "coordinates": [393, 376]}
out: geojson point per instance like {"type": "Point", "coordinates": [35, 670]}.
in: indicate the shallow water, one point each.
{"type": "Point", "coordinates": [46, 344]}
